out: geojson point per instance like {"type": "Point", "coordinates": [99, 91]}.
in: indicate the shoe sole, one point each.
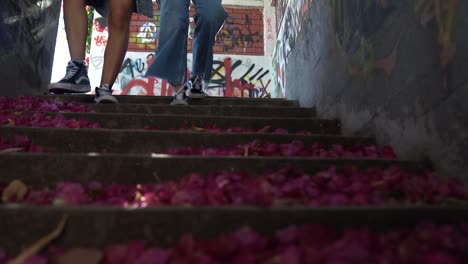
{"type": "Point", "coordinates": [106, 99]}
{"type": "Point", "coordinates": [63, 88]}
{"type": "Point", "coordinates": [179, 102]}
{"type": "Point", "coordinates": [197, 95]}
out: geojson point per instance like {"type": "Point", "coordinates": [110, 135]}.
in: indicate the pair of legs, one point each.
{"type": "Point", "coordinates": [170, 61]}
{"type": "Point", "coordinates": [76, 26]}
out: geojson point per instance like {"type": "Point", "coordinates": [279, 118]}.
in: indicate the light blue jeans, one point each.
{"type": "Point", "coordinates": [170, 61]}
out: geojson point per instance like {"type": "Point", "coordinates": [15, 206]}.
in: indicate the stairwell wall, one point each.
{"type": "Point", "coordinates": [397, 69]}
{"type": "Point", "coordinates": [27, 42]}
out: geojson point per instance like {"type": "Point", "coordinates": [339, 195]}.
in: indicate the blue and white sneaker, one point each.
{"type": "Point", "coordinates": [103, 95]}
{"type": "Point", "coordinates": [197, 86]}
{"type": "Point", "coordinates": [180, 98]}
{"type": "Point", "coordinates": [75, 81]}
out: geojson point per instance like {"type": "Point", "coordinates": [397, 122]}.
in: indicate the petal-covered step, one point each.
{"type": "Point", "coordinates": [210, 110]}
{"type": "Point", "coordinates": [132, 99]}
{"type": "Point", "coordinates": [148, 141]}
{"type": "Point", "coordinates": [44, 168]}
{"type": "Point", "coordinates": [101, 226]}
{"type": "Point", "coordinates": [128, 121]}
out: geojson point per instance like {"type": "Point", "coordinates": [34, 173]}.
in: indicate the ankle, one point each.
{"type": "Point", "coordinates": [195, 77]}
{"type": "Point", "coordinates": [178, 88]}
{"type": "Point", "coordinates": [105, 86]}
{"type": "Point", "coordinates": [79, 60]}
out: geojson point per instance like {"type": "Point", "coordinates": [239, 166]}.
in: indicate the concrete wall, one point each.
{"type": "Point", "coordinates": [389, 69]}
{"type": "Point", "coordinates": [27, 41]}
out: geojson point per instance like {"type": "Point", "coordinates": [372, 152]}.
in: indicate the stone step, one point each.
{"type": "Point", "coordinates": [143, 141]}
{"type": "Point", "coordinates": [211, 110]}
{"type": "Point", "coordinates": [133, 99]}
{"type": "Point", "coordinates": [40, 169]}
{"type": "Point", "coordinates": [129, 121]}
{"type": "Point", "coordinates": [101, 226]}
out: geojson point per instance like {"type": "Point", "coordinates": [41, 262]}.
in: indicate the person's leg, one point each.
{"type": "Point", "coordinates": [120, 14]}
{"type": "Point", "coordinates": [76, 25]}
{"type": "Point", "coordinates": [209, 18]}
{"type": "Point", "coordinates": [170, 62]}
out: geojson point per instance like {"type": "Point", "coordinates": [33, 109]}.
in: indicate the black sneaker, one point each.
{"type": "Point", "coordinates": [75, 81]}
{"type": "Point", "coordinates": [180, 98]}
{"type": "Point", "coordinates": [197, 87]}
{"type": "Point", "coordinates": [104, 95]}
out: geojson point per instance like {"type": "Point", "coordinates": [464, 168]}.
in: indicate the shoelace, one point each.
{"type": "Point", "coordinates": [197, 84]}
{"type": "Point", "coordinates": [72, 70]}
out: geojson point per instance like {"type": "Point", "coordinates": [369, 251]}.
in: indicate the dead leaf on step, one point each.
{"type": "Point", "coordinates": [8, 150]}
{"type": "Point", "coordinates": [11, 123]}
{"type": "Point", "coordinates": [40, 244]}
{"type": "Point", "coordinates": [266, 129]}
{"type": "Point", "coordinates": [377, 183]}
{"type": "Point", "coordinates": [16, 189]}
{"type": "Point", "coordinates": [80, 256]}
{"type": "Point", "coordinates": [456, 201]}
{"type": "Point", "coordinates": [246, 151]}
{"type": "Point", "coordinates": [138, 196]}
{"type": "Point", "coordinates": [198, 129]}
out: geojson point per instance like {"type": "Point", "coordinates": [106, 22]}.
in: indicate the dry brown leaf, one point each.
{"type": "Point", "coordinates": [198, 129]}
{"type": "Point", "coordinates": [377, 183]}
{"type": "Point", "coordinates": [266, 129]}
{"type": "Point", "coordinates": [80, 256]}
{"type": "Point", "coordinates": [40, 244]}
{"type": "Point", "coordinates": [8, 150]}
{"type": "Point", "coordinates": [15, 189]}
{"type": "Point", "coordinates": [138, 196]}
{"type": "Point", "coordinates": [11, 123]}
{"type": "Point", "coordinates": [456, 201]}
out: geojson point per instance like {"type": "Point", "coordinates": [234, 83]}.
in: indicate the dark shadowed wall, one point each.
{"type": "Point", "coordinates": [28, 30]}
{"type": "Point", "coordinates": [394, 68]}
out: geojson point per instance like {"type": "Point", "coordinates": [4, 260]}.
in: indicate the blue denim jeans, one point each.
{"type": "Point", "coordinates": [170, 61]}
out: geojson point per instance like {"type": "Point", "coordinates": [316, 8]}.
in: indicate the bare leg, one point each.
{"type": "Point", "coordinates": [76, 26]}
{"type": "Point", "coordinates": [120, 14]}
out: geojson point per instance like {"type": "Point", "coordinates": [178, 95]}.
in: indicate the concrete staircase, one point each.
{"type": "Point", "coordinates": [123, 152]}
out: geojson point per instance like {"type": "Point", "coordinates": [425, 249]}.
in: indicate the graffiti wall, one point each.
{"type": "Point", "coordinates": [242, 33]}
{"type": "Point", "coordinates": [233, 75]}
{"type": "Point", "coordinates": [241, 68]}
{"type": "Point", "coordinates": [290, 15]}
{"type": "Point", "coordinates": [394, 69]}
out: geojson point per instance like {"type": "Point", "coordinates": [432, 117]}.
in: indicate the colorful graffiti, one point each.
{"type": "Point", "coordinates": [253, 82]}
{"type": "Point", "coordinates": [444, 12]}
{"type": "Point", "coordinates": [292, 14]}
{"type": "Point", "coordinates": [239, 32]}
{"type": "Point", "coordinates": [354, 23]}
{"type": "Point", "coordinates": [234, 74]}
{"type": "Point", "coordinates": [232, 77]}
